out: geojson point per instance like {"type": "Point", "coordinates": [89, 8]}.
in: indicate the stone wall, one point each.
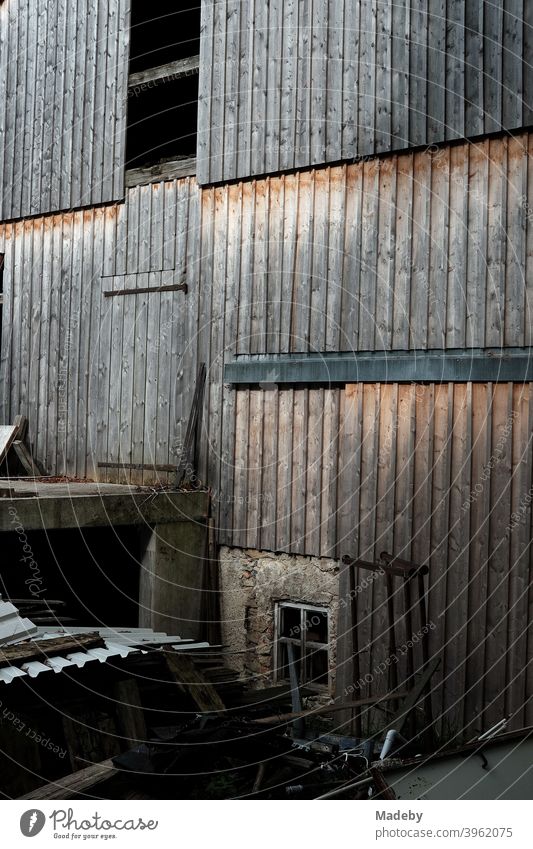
{"type": "Point", "coordinates": [251, 582]}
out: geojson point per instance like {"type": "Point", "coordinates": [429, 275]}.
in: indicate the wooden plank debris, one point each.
{"type": "Point", "coordinates": [37, 649]}
{"type": "Point", "coordinates": [190, 679]}
{"type": "Point", "coordinates": [75, 783]}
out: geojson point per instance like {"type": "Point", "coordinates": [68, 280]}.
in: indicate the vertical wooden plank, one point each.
{"type": "Point", "coordinates": [351, 419]}
{"type": "Point", "coordinates": [367, 77]}
{"type": "Point", "coordinates": [436, 92]}
{"type": "Point", "coordinates": [319, 249]}
{"type": "Point", "coordinates": [205, 92]}
{"type": "Point", "coordinates": [246, 275]}
{"type": "Point", "coordinates": [402, 453]}
{"type": "Point", "coordinates": [288, 268]}
{"type": "Point", "coordinates": [403, 243]}
{"type": "Point", "coordinates": [440, 511]}
{"type": "Point", "coordinates": [385, 268]}
{"type": "Point", "coordinates": [493, 66]}
{"type": "Point", "coordinates": [232, 94]}
{"type": "Point", "coordinates": [301, 298]}
{"type": "Point", "coordinates": [259, 85]}
{"type": "Point", "coordinates": [455, 69]}
{"type": "Point", "coordinates": [516, 185]}
{"type": "Point", "coordinates": [457, 244]}
{"type": "Point", "coordinates": [258, 340]}
{"type": "Point", "coordinates": [334, 83]}
{"type": "Point", "coordinates": [90, 123]}
{"type": "Point", "coordinates": [474, 68]}
{"type": "Point", "coordinates": [302, 149]}
{"type": "Point", "coordinates": [35, 325]}
{"type": "Point", "coordinates": [237, 535]}
{"type": "Point", "coordinates": [39, 107]}
{"type": "Point", "coordinates": [19, 117]}
{"type": "Point", "coordinates": [276, 303]}
{"type": "Point", "coordinates": [438, 258]}
{"type": "Point", "coordinates": [496, 243]}
{"type": "Point", "coordinates": [285, 470]}
{"type": "Point", "coordinates": [334, 340]}
{"type": "Point", "coordinates": [418, 72]}
{"type": "Point", "coordinates": [423, 473]}
{"type": "Point", "coordinates": [300, 416]}
{"type": "Point", "coordinates": [519, 552]}
{"type": "Point", "coordinates": [421, 237]}
{"type": "Point", "coordinates": [369, 247]}
{"type": "Point", "coordinates": [50, 73]}
{"type": "Point", "coordinates": [528, 282]}
{"type": "Point", "coordinates": [267, 496]}
{"type": "Point", "coordinates": [350, 278]}
{"type": "Point", "coordinates": [288, 91]}
{"type": "Point", "coordinates": [498, 566]}
{"type": "Point", "coordinates": [274, 62]}
{"type": "Point", "coordinates": [319, 81]}
{"type": "Point", "coordinates": [121, 96]}
{"type": "Point", "coordinates": [313, 494]}
{"type": "Point", "coordinates": [476, 508]}
{"type": "Point", "coordinates": [457, 561]}
{"type": "Point", "coordinates": [4, 71]}
{"type": "Point", "coordinates": [330, 474]}
{"type": "Point", "coordinates": [254, 487]}
{"type": "Point", "coordinates": [350, 78]}
{"type": "Point", "coordinates": [401, 27]}
{"type": "Point", "coordinates": [227, 465]}
{"type": "Point", "coordinates": [70, 81]}
{"type": "Point", "coordinates": [512, 62]}
{"type": "Point", "coordinates": [477, 245]}
{"type": "Point", "coordinates": [59, 77]}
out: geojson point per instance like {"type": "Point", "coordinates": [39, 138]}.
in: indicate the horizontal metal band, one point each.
{"type": "Point", "coordinates": [438, 366]}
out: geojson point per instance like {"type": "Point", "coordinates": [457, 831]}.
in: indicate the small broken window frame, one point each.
{"type": "Point", "coordinates": [306, 611]}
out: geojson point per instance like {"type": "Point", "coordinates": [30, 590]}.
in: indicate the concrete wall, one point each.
{"type": "Point", "coordinates": [251, 583]}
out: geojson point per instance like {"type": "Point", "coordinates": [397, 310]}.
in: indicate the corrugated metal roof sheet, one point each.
{"type": "Point", "coordinates": [119, 642]}
{"type": "Point", "coordinates": [13, 626]}
{"type": "Point", "coordinates": [57, 664]}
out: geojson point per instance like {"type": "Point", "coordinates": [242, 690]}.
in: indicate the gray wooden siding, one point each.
{"type": "Point", "coordinates": [289, 84]}
{"type": "Point", "coordinates": [63, 92]}
{"type": "Point", "coordinates": [426, 250]}
{"type": "Point", "coordinates": [441, 474]}
{"type": "Point", "coordinates": [435, 252]}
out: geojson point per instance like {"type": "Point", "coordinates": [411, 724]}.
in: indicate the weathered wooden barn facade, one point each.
{"type": "Point", "coordinates": [362, 185]}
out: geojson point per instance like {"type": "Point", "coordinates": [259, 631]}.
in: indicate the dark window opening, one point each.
{"type": "Point", "coordinates": [162, 123]}
{"type": "Point", "coordinates": [306, 628]}
{"type": "Point", "coordinates": [162, 33]}
{"type": "Point", "coordinates": [163, 86]}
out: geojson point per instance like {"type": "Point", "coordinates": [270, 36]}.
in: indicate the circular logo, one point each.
{"type": "Point", "coordinates": [32, 822]}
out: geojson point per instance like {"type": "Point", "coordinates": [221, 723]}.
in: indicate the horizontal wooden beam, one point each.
{"type": "Point", "coordinates": [438, 366]}
{"type": "Point", "coordinates": [175, 169]}
{"type": "Point", "coordinates": [143, 80]}
{"type": "Point", "coordinates": [140, 466]}
{"type": "Point", "coordinates": [147, 290]}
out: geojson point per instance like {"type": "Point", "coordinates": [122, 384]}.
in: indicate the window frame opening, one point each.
{"type": "Point", "coordinates": [305, 648]}
{"type": "Point", "coordinates": [161, 95]}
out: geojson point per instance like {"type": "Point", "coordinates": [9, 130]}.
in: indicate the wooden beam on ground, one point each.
{"type": "Point", "coordinates": [191, 681]}
{"type": "Point", "coordinates": [75, 783]}
{"type": "Point", "coordinates": [371, 701]}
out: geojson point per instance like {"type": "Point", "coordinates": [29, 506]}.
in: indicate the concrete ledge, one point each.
{"type": "Point", "coordinates": [95, 505]}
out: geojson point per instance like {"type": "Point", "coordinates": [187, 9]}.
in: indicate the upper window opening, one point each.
{"type": "Point", "coordinates": [163, 31]}
{"type": "Point", "coordinates": [163, 90]}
